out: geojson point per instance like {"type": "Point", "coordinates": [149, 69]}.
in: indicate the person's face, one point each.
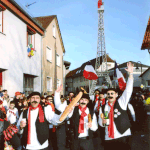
{"type": "Point", "coordinates": [83, 102]}
{"type": "Point", "coordinates": [23, 95]}
{"type": "Point", "coordinates": [49, 100]}
{"type": "Point", "coordinates": [111, 95]}
{"type": "Point", "coordinates": [101, 96]}
{"type": "Point", "coordinates": [71, 94]}
{"type": "Point", "coordinates": [12, 106]}
{"type": "Point", "coordinates": [25, 103]}
{"type": "Point", "coordinates": [18, 96]}
{"type": "Point", "coordinates": [43, 100]}
{"type": "Point", "coordinates": [35, 100]}
{"type": "Point", "coordinates": [96, 92]}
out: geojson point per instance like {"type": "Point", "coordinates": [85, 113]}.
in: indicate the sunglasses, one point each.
{"type": "Point", "coordinates": [110, 94]}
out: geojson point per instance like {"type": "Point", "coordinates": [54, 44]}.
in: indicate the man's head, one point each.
{"type": "Point", "coordinates": [43, 99]}
{"type": "Point", "coordinates": [49, 99]}
{"type": "Point", "coordinates": [84, 100]}
{"type": "Point", "coordinates": [35, 98]}
{"type": "Point", "coordinates": [18, 95]}
{"type": "Point", "coordinates": [97, 92]}
{"type": "Point", "coordinates": [101, 95]}
{"type": "Point", "coordinates": [112, 95]}
{"type": "Point", "coordinates": [12, 105]}
{"type": "Point", "coordinates": [71, 94]}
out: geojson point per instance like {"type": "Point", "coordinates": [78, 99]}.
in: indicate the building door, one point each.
{"type": "Point", "coordinates": [28, 85]}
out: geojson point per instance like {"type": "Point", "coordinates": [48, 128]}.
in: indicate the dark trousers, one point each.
{"type": "Point", "coordinates": [82, 144]}
{"type": "Point", "coordinates": [122, 143]}
{"type": "Point", "coordinates": [52, 140]}
{"type": "Point", "coordinates": [61, 137]}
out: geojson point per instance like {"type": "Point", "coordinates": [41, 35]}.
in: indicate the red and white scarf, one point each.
{"type": "Point", "coordinates": [41, 119]}
{"type": "Point", "coordinates": [111, 118]}
{"type": "Point", "coordinates": [81, 122]}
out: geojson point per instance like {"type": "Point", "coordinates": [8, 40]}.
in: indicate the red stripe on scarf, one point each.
{"type": "Point", "coordinates": [96, 98]}
{"type": "Point", "coordinates": [41, 119]}
{"type": "Point", "coordinates": [81, 122]}
{"type": "Point", "coordinates": [111, 118]}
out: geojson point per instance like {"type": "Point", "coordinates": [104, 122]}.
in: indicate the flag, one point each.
{"type": "Point", "coordinates": [120, 78]}
{"type": "Point", "coordinates": [89, 72]}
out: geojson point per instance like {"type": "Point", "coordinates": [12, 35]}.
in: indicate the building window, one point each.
{"type": "Point", "coordinates": [49, 54]}
{"type": "Point", "coordinates": [148, 82]}
{"type": "Point", "coordinates": [58, 82]}
{"type": "Point", "coordinates": [49, 84]}
{"type": "Point", "coordinates": [54, 31]}
{"type": "Point", "coordinates": [1, 25]}
{"type": "Point", "coordinates": [28, 84]}
{"type": "Point", "coordinates": [57, 60]}
{"type": "Point", "coordinates": [30, 33]}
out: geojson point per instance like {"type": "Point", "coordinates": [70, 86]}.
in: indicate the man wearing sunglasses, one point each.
{"type": "Point", "coordinates": [117, 125]}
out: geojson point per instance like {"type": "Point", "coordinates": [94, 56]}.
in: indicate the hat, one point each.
{"type": "Point", "coordinates": [17, 93]}
{"type": "Point", "coordinates": [34, 93]}
{"type": "Point", "coordinates": [85, 96]}
{"type": "Point", "coordinates": [112, 89]}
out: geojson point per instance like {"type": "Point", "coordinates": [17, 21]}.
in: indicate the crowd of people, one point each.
{"type": "Point", "coordinates": [106, 119]}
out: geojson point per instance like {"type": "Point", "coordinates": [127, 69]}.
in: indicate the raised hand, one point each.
{"type": "Point", "coordinates": [59, 89]}
{"type": "Point", "coordinates": [129, 67]}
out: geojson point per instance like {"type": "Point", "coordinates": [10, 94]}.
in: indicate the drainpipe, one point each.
{"type": "Point", "coordinates": [42, 63]}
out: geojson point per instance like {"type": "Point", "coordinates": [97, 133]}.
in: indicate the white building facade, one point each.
{"type": "Point", "coordinates": [19, 71]}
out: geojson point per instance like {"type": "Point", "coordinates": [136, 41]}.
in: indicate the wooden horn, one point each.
{"type": "Point", "coordinates": [71, 105]}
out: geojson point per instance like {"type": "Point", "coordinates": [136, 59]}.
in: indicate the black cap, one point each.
{"type": "Point", "coordinates": [85, 96]}
{"type": "Point", "coordinates": [111, 89]}
{"type": "Point", "coordinates": [34, 93]}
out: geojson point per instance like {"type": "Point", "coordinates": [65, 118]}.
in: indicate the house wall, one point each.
{"type": "Point", "coordinates": [14, 56]}
{"type": "Point", "coordinates": [49, 67]}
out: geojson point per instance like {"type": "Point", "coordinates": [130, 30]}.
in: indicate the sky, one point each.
{"type": "Point", "coordinates": [125, 23]}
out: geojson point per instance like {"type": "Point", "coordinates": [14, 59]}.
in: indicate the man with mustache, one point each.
{"type": "Point", "coordinates": [118, 132]}
{"type": "Point", "coordinates": [34, 124]}
{"type": "Point", "coordinates": [82, 129]}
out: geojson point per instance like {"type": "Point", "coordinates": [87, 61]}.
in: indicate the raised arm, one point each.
{"type": "Point", "coordinates": [61, 107]}
{"type": "Point", "coordinates": [124, 99]}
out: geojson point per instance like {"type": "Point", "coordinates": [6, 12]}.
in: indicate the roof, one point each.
{"type": "Point", "coordinates": [146, 40]}
{"type": "Point", "coordinates": [46, 20]}
{"type": "Point", "coordinates": [71, 73]}
{"type": "Point", "coordinates": [124, 65]}
{"type": "Point", "coordinates": [144, 72]}
{"type": "Point", "coordinates": [79, 71]}
{"type": "Point", "coordinates": [19, 11]}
